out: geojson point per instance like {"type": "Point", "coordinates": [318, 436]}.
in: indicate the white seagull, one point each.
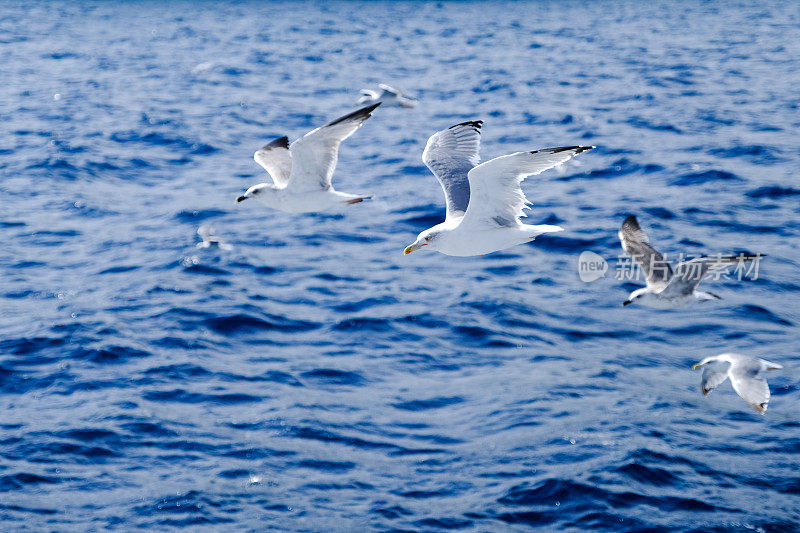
{"type": "Point", "coordinates": [388, 95]}
{"type": "Point", "coordinates": [301, 172]}
{"type": "Point", "coordinates": [746, 373]}
{"type": "Point", "coordinates": [665, 288]}
{"type": "Point", "coordinates": [484, 202]}
{"type": "Point", "coordinates": [210, 240]}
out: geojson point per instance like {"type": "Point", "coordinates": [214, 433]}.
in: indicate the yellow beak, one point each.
{"type": "Point", "coordinates": [413, 247]}
{"type": "Point", "coordinates": [695, 367]}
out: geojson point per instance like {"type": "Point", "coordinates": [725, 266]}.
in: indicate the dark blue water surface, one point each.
{"type": "Point", "coordinates": [315, 379]}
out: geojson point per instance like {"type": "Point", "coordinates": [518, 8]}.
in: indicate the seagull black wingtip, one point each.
{"type": "Point", "coordinates": [282, 142]}
{"type": "Point", "coordinates": [576, 149]}
{"type": "Point", "coordinates": [361, 114]}
{"type": "Point", "coordinates": [471, 123]}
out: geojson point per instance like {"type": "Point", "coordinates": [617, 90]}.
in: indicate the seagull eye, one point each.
{"type": "Point", "coordinates": [428, 238]}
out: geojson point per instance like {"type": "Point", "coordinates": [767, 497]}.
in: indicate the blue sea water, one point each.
{"type": "Point", "coordinates": [312, 378]}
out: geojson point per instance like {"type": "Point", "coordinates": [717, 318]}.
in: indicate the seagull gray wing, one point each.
{"type": "Point", "coordinates": [367, 95]}
{"type": "Point", "coordinates": [497, 198]}
{"type": "Point", "coordinates": [714, 373]}
{"type": "Point", "coordinates": [276, 159]}
{"type": "Point", "coordinates": [397, 95]}
{"type": "Point", "coordinates": [689, 274]}
{"type": "Point", "coordinates": [747, 378]}
{"type": "Point", "coordinates": [656, 269]}
{"type": "Point", "coordinates": [388, 89]}
{"type": "Point", "coordinates": [450, 154]}
{"type": "Point", "coordinates": [315, 154]}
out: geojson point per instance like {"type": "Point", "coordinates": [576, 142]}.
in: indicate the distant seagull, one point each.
{"type": "Point", "coordinates": [667, 289]}
{"type": "Point", "coordinates": [746, 373]}
{"type": "Point", "coordinates": [387, 95]}
{"type": "Point", "coordinates": [302, 171]}
{"type": "Point", "coordinates": [206, 232]}
{"type": "Point", "coordinates": [484, 202]}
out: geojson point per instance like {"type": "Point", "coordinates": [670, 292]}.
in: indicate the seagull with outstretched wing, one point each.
{"type": "Point", "coordinates": [747, 375]}
{"type": "Point", "coordinates": [387, 95]}
{"type": "Point", "coordinates": [664, 287]}
{"type": "Point", "coordinates": [484, 201]}
{"type": "Point", "coordinates": [301, 171]}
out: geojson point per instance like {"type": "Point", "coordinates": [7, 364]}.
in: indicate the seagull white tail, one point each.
{"type": "Point", "coordinates": [546, 228]}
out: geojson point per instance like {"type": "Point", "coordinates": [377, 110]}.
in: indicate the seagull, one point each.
{"type": "Point", "coordinates": [484, 202]}
{"type": "Point", "coordinates": [667, 289]}
{"type": "Point", "coordinates": [746, 373]}
{"type": "Point", "coordinates": [391, 96]}
{"type": "Point", "coordinates": [301, 172]}
{"type": "Point", "coordinates": [210, 240]}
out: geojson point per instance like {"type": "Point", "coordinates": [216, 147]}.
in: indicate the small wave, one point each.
{"type": "Point", "coordinates": [328, 436]}
{"type": "Point", "coordinates": [650, 475]}
{"type": "Point", "coordinates": [119, 269]}
{"type": "Point", "coordinates": [556, 243]}
{"type": "Point", "coordinates": [699, 178]}
{"type": "Point", "coordinates": [659, 212]}
{"type": "Point", "coordinates": [159, 139]}
{"type": "Point", "coordinates": [363, 324]}
{"type": "Point", "coordinates": [773, 192]}
{"type": "Point", "coordinates": [444, 523]}
{"type": "Point", "coordinates": [234, 324]}
{"type": "Point", "coordinates": [12, 224]}
{"type": "Point", "coordinates": [183, 396]}
{"type": "Point", "coordinates": [198, 215]}
{"type": "Point", "coordinates": [337, 467]}
{"type": "Point", "coordinates": [429, 404]}
{"type": "Point", "coordinates": [643, 123]}
{"type": "Point", "coordinates": [756, 153]}
{"type": "Point", "coordinates": [205, 270]}
{"type": "Point", "coordinates": [756, 312]}
{"type": "Point", "coordinates": [111, 354]}
{"type": "Point", "coordinates": [620, 167]}
{"type": "Point", "coordinates": [571, 499]}
{"type": "Point", "coordinates": [23, 479]}
{"type": "Point", "coordinates": [198, 508]}
{"type": "Point", "coordinates": [366, 303]}
{"type": "Point", "coordinates": [329, 376]}
{"type": "Point", "coordinates": [148, 429]}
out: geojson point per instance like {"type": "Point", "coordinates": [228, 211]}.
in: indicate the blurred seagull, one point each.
{"type": "Point", "coordinates": [302, 171]}
{"type": "Point", "coordinates": [484, 202]}
{"type": "Point", "coordinates": [667, 289]}
{"type": "Point", "coordinates": [746, 373]}
{"type": "Point", "coordinates": [206, 232]}
{"type": "Point", "coordinates": [388, 95]}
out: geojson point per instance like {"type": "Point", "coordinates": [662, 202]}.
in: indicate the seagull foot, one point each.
{"type": "Point", "coordinates": [357, 200]}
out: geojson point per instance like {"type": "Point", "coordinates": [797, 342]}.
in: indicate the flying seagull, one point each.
{"type": "Point", "coordinates": [388, 95]}
{"type": "Point", "coordinates": [484, 201]}
{"type": "Point", "coordinates": [301, 172]}
{"type": "Point", "coordinates": [666, 288]}
{"type": "Point", "coordinates": [746, 373]}
{"type": "Point", "coordinates": [210, 240]}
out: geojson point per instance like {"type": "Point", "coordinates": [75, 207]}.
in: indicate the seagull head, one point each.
{"type": "Point", "coordinates": [429, 237]}
{"type": "Point", "coordinates": [708, 360]}
{"type": "Point", "coordinates": [635, 295]}
{"type": "Point", "coordinates": [260, 191]}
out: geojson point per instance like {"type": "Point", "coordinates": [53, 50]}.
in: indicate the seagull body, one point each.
{"type": "Point", "coordinates": [387, 95]}
{"type": "Point", "coordinates": [210, 240]}
{"type": "Point", "coordinates": [746, 374]}
{"type": "Point", "coordinates": [668, 289]}
{"type": "Point", "coordinates": [301, 171]}
{"type": "Point", "coordinates": [484, 201]}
